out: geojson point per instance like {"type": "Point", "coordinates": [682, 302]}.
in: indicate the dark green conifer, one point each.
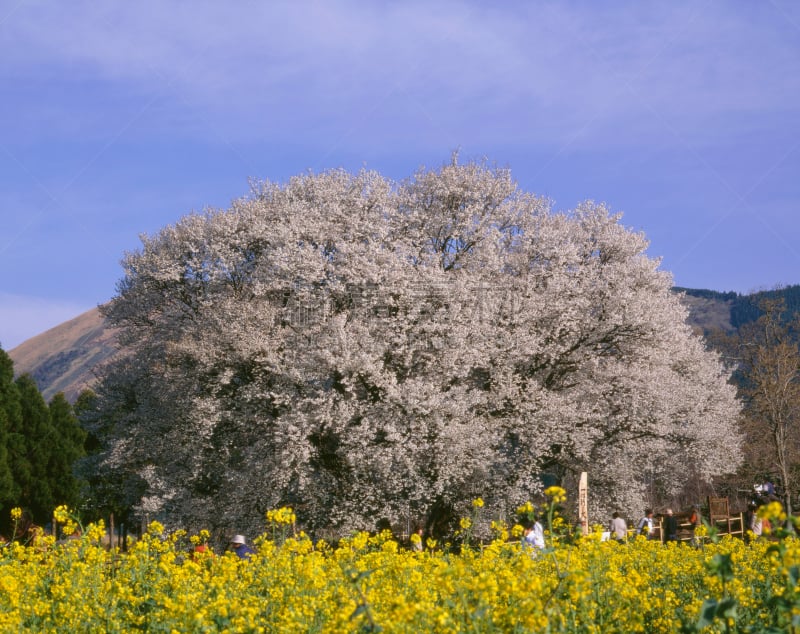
{"type": "Point", "coordinates": [10, 425]}
{"type": "Point", "coordinates": [39, 438]}
{"type": "Point", "coordinates": [67, 448]}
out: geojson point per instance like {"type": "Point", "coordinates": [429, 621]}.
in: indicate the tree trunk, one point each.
{"type": "Point", "coordinates": [111, 531]}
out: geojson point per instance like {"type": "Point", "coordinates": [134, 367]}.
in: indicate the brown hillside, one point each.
{"type": "Point", "coordinates": [63, 359]}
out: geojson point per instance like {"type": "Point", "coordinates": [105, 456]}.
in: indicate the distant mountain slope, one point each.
{"type": "Point", "coordinates": [63, 359]}
{"type": "Point", "coordinates": [708, 313]}
{"type": "Point", "coordinates": [729, 311]}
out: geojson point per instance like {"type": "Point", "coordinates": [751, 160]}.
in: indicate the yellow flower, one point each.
{"type": "Point", "coordinates": [61, 514]}
{"type": "Point", "coordinates": [701, 530]}
{"type": "Point", "coordinates": [96, 532]}
{"type": "Point", "coordinates": [580, 585]}
{"type": "Point", "coordinates": [556, 494]}
{"type": "Point", "coordinates": [526, 509]}
{"type": "Point", "coordinates": [16, 513]}
{"type": "Point", "coordinates": [499, 530]}
{"type": "Point", "coordinates": [282, 516]}
{"type": "Point", "coordinates": [477, 503]}
{"type": "Point", "coordinates": [772, 512]}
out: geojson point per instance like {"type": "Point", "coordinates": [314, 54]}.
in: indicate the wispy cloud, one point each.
{"type": "Point", "coordinates": [310, 67]}
{"type": "Point", "coordinates": [123, 116]}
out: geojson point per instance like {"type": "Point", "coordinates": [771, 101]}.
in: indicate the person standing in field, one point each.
{"type": "Point", "coordinates": [645, 525]}
{"type": "Point", "coordinates": [618, 528]}
{"type": "Point", "coordinates": [749, 516]}
{"type": "Point", "coordinates": [696, 518]}
{"type": "Point", "coordinates": [756, 524]}
{"type": "Point", "coordinates": [416, 539]}
{"type": "Point", "coordinates": [670, 527]}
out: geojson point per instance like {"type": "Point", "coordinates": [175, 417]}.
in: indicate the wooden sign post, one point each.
{"type": "Point", "coordinates": [583, 503]}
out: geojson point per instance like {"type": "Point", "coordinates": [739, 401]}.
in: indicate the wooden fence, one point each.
{"type": "Point", "coordinates": [731, 525]}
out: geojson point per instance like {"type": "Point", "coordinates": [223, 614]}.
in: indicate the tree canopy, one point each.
{"type": "Point", "coordinates": [39, 444]}
{"type": "Point", "coordinates": [769, 384]}
{"type": "Point", "coordinates": [364, 349]}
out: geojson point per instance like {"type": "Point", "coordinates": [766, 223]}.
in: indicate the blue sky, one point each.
{"type": "Point", "coordinates": [118, 118]}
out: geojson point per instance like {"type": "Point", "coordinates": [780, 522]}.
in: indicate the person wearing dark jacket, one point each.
{"type": "Point", "coordinates": [670, 527]}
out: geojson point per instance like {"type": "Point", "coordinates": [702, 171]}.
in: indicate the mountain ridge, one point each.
{"type": "Point", "coordinates": [65, 358]}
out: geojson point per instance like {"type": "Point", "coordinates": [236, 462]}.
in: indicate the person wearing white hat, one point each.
{"type": "Point", "coordinates": [240, 547]}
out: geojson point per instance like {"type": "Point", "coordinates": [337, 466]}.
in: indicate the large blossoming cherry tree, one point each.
{"type": "Point", "coordinates": [362, 349]}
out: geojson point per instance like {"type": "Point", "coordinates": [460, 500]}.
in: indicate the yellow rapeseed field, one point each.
{"type": "Point", "coordinates": [369, 584]}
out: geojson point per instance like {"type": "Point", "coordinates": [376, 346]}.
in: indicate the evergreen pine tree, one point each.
{"type": "Point", "coordinates": [12, 457]}
{"type": "Point", "coordinates": [6, 481]}
{"type": "Point", "coordinates": [39, 440]}
{"type": "Point", "coordinates": [67, 448]}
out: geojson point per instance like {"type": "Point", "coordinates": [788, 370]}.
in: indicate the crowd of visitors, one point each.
{"type": "Point", "coordinates": [667, 529]}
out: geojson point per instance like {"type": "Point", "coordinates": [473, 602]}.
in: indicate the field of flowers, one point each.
{"type": "Point", "coordinates": [369, 584]}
